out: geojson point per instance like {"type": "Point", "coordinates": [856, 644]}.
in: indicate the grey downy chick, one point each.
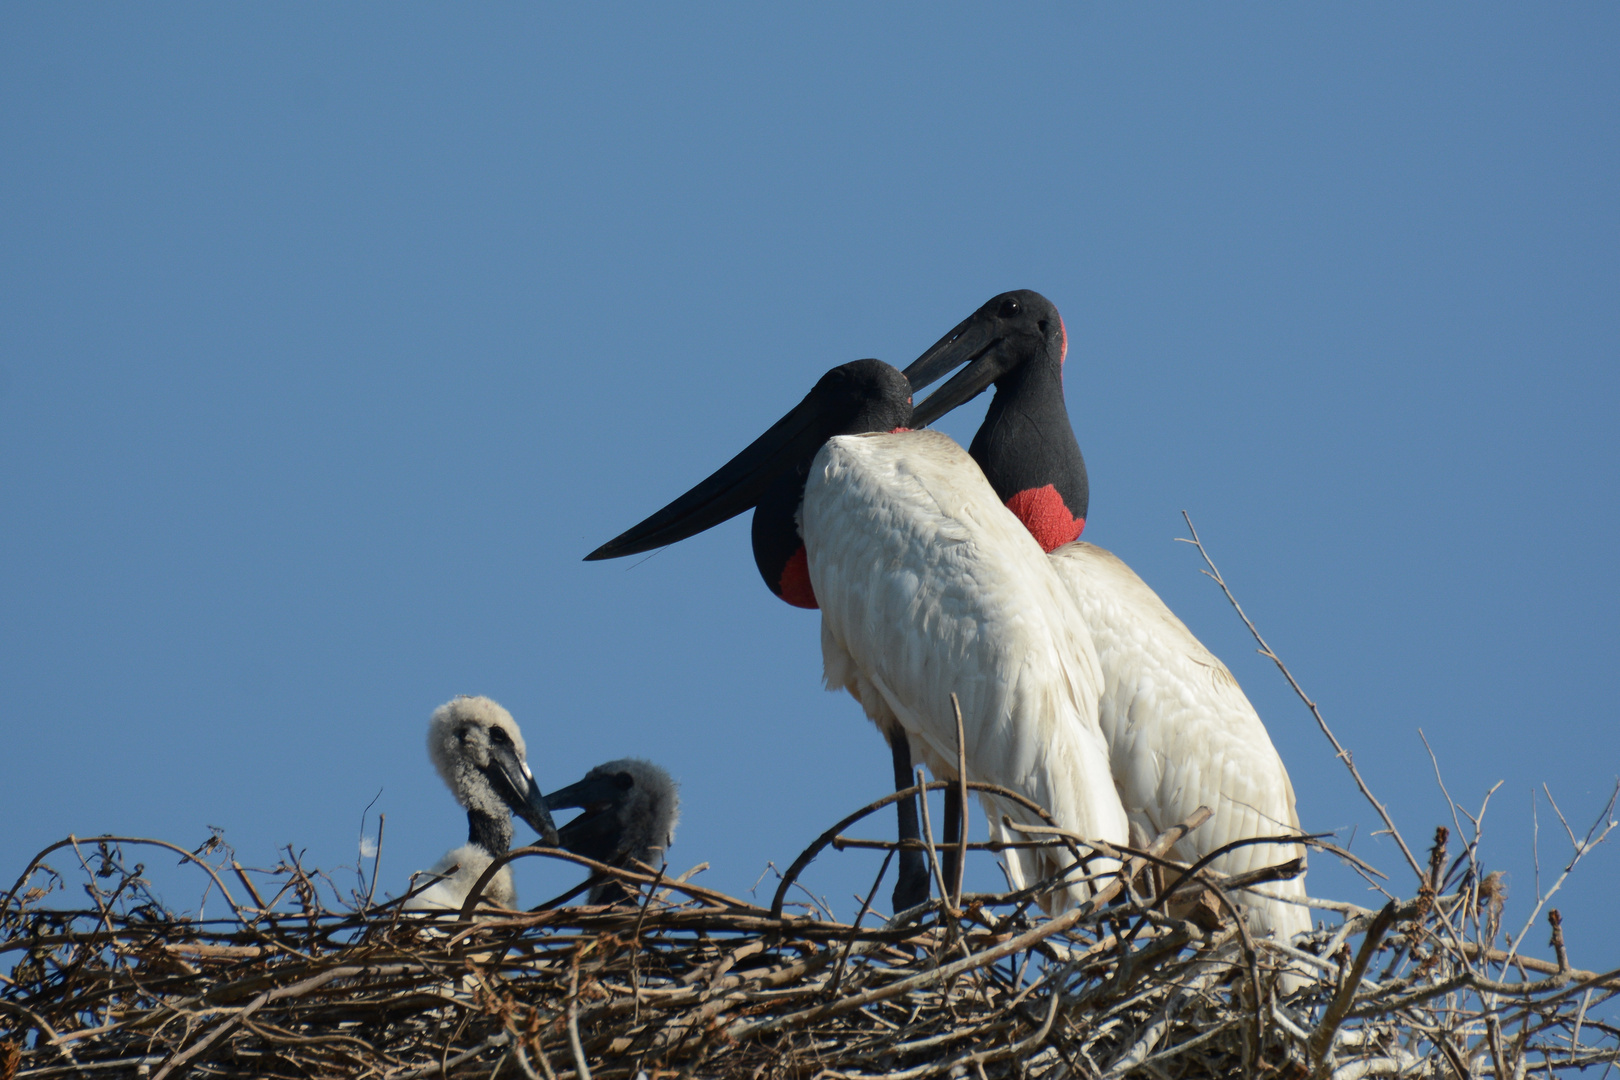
{"type": "Point", "coordinates": [630, 809]}
{"type": "Point", "coordinates": [477, 748]}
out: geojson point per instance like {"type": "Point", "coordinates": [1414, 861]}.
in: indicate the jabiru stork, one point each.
{"type": "Point", "coordinates": [927, 586]}
{"type": "Point", "coordinates": [478, 751]}
{"type": "Point", "coordinates": [1180, 731]}
{"type": "Point", "coordinates": [630, 810]}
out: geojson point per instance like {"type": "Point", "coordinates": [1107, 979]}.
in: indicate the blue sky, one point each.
{"type": "Point", "coordinates": [333, 337]}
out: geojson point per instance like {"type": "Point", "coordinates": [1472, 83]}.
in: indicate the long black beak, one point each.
{"type": "Point", "coordinates": [734, 487]}
{"type": "Point", "coordinates": [973, 342]}
{"type": "Point", "coordinates": [596, 834]}
{"type": "Point", "coordinates": [590, 791]}
{"type": "Point", "coordinates": [516, 786]}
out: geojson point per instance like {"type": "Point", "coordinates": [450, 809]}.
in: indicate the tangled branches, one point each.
{"type": "Point", "coordinates": [689, 981]}
{"type": "Point", "coordinates": [686, 981]}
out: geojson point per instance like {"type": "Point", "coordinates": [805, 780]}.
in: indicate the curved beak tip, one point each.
{"type": "Point", "coordinates": [539, 818]}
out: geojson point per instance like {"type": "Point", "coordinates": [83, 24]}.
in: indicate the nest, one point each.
{"type": "Point", "coordinates": [686, 981]}
{"type": "Point", "coordinates": [1155, 976]}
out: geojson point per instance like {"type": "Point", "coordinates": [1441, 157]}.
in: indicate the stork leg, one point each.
{"type": "Point", "coordinates": [911, 888]}
{"type": "Point", "coordinates": [609, 891]}
{"type": "Point", "coordinates": [953, 834]}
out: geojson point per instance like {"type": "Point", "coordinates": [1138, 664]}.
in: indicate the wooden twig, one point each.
{"type": "Point", "coordinates": [699, 983]}
{"type": "Point", "coordinates": [962, 803]}
{"type": "Point", "coordinates": [1322, 1038]}
{"type": "Point", "coordinates": [1592, 839]}
{"type": "Point", "coordinates": [1265, 650]}
{"type": "Point", "coordinates": [826, 838]}
{"type": "Point", "coordinates": [376, 859]}
{"type": "Point", "coordinates": [933, 855]}
{"type": "Point", "coordinates": [581, 1069]}
{"type": "Point", "coordinates": [866, 905]}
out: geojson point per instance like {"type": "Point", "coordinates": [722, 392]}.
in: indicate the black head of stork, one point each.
{"type": "Point", "coordinates": [768, 476]}
{"type": "Point", "coordinates": [1026, 445]}
{"type": "Point", "coordinates": [630, 810]}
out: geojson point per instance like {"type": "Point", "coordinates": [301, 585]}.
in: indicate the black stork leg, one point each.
{"type": "Point", "coordinates": [911, 888]}
{"type": "Point", "coordinates": [953, 835]}
{"type": "Point", "coordinates": [609, 891]}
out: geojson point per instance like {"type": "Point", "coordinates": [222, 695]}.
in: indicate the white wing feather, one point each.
{"type": "Point", "coordinates": [1182, 734]}
{"type": "Point", "coordinates": [928, 585]}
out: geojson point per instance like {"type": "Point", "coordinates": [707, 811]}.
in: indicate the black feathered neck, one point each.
{"type": "Point", "coordinates": [856, 398]}
{"type": "Point", "coordinates": [1027, 442]}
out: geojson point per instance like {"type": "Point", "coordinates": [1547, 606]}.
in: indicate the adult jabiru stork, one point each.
{"type": "Point", "coordinates": [927, 586]}
{"type": "Point", "coordinates": [1181, 734]}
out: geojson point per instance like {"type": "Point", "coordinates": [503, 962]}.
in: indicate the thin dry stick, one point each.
{"type": "Point", "coordinates": [581, 1069]}
{"type": "Point", "coordinates": [1450, 802]}
{"type": "Point", "coordinates": [866, 905]}
{"type": "Point", "coordinates": [1322, 1038]}
{"type": "Point", "coordinates": [72, 841]}
{"type": "Point", "coordinates": [962, 803]}
{"type": "Point", "coordinates": [933, 855]}
{"type": "Point", "coordinates": [1265, 650]}
{"type": "Point", "coordinates": [1582, 846]}
{"type": "Point", "coordinates": [247, 883]}
{"type": "Point", "coordinates": [636, 942]}
{"type": "Point", "coordinates": [827, 837]}
{"type": "Point", "coordinates": [443, 1067]}
{"type": "Point", "coordinates": [376, 859]}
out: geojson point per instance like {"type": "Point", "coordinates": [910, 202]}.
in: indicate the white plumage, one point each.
{"type": "Point", "coordinates": [458, 872]}
{"type": "Point", "coordinates": [1181, 733]}
{"type": "Point", "coordinates": [928, 585]}
{"type": "Point", "coordinates": [478, 751]}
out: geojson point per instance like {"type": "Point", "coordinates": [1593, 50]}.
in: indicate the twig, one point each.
{"type": "Point", "coordinates": [11, 896]}
{"type": "Point", "coordinates": [933, 856]}
{"type": "Point", "coordinates": [826, 838]}
{"type": "Point", "coordinates": [1322, 1038]}
{"type": "Point", "coordinates": [962, 804]}
{"type": "Point", "coordinates": [580, 1068]}
{"type": "Point", "coordinates": [1265, 650]}
{"type": "Point", "coordinates": [1582, 846]}
{"type": "Point", "coordinates": [376, 859]}
{"type": "Point", "coordinates": [866, 905]}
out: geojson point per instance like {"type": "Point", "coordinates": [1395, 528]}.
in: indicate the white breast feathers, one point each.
{"type": "Point", "coordinates": [928, 585]}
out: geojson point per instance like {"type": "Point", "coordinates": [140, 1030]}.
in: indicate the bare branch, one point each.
{"type": "Point", "coordinates": [1265, 650]}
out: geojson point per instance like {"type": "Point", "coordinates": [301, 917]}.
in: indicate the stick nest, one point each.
{"type": "Point", "coordinates": [685, 981]}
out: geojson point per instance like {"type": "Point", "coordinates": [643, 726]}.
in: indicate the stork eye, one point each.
{"type": "Point", "coordinates": [499, 735]}
{"type": "Point", "coordinates": [625, 781]}
{"type": "Point", "coordinates": [461, 734]}
{"type": "Point", "coordinates": [1009, 307]}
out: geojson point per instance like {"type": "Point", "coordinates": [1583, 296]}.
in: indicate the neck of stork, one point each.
{"type": "Point", "coordinates": [492, 833]}
{"type": "Point", "coordinates": [861, 397]}
{"type": "Point", "coordinates": [778, 548]}
{"type": "Point", "coordinates": [1027, 449]}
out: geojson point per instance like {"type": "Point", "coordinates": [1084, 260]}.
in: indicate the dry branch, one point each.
{"type": "Point", "coordinates": [688, 981]}
{"type": "Point", "coordinates": [684, 981]}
